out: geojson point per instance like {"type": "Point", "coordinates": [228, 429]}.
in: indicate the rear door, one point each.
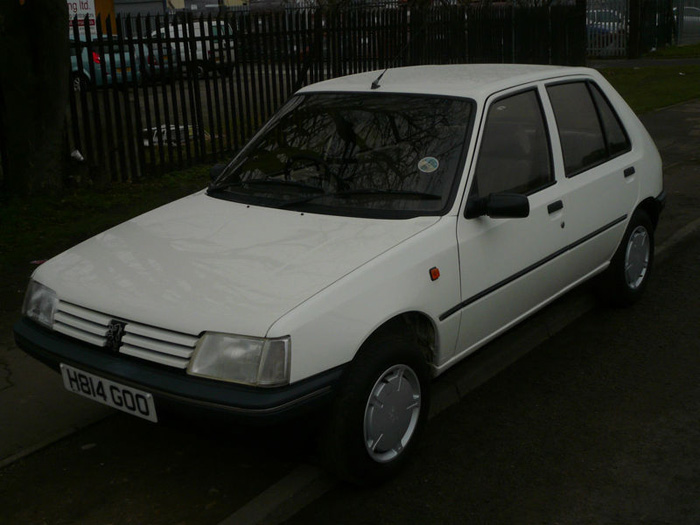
{"type": "Point", "coordinates": [601, 183]}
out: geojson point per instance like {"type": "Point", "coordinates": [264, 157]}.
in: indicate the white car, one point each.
{"type": "Point", "coordinates": [204, 47]}
{"type": "Point", "coordinates": [377, 230]}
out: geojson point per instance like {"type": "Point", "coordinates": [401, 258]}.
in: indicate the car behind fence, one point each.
{"type": "Point", "coordinates": [686, 16]}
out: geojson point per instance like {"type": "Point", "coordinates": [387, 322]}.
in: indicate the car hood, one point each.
{"type": "Point", "coordinates": [205, 264]}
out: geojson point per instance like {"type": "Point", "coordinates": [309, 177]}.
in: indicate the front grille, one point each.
{"type": "Point", "coordinates": [145, 342]}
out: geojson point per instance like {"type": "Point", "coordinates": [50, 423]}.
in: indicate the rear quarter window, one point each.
{"type": "Point", "coordinates": [616, 137]}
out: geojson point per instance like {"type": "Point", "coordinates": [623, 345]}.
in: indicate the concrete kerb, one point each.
{"type": "Point", "coordinates": [50, 441]}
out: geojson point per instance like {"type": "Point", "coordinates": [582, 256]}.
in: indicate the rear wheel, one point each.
{"type": "Point", "coordinates": [379, 413]}
{"type": "Point", "coordinates": [197, 70]}
{"type": "Point", "coordinates": [624, 281]}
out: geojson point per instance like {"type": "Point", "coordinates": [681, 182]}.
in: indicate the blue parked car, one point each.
{"type": "Point", "coordinates": [101, 66]}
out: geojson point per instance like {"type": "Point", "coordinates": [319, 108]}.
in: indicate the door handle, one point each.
{"type": "Point", "coordinates": [555, 206]}
{"type": "Point", "coordinates": [629, 171]}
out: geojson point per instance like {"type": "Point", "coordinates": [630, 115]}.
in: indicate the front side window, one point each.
{"type": "Point", "coordinates": [514, 156]}
{"type": "Point", "coordinates": [360, 154]}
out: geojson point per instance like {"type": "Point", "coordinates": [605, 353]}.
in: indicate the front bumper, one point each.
{"type": "Point", "coordinates": [175, 391]}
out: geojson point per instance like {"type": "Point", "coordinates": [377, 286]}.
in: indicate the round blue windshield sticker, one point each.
{"type": "Point", "coordinates": [428, 164]}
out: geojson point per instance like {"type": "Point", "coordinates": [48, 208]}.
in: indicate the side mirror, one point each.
{"type": "Point", "coordinates": [498, 206]}
{"type": "Point", "coordinates": [216, 170]}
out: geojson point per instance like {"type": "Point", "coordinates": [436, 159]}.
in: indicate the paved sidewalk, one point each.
{"type": "Point", "coordinates": [35, 410]}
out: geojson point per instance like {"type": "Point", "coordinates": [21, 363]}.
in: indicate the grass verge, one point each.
{"type": "Point", "coordinates": [41, 227]}
{"type": "Point", "coordinates": [649, 88]}
{"type": "Point", "coordinates": [690, 51]}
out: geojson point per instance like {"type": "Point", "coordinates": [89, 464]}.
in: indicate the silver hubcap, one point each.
{"type": "Point", "coordinates": [391, 414]}
{"type": "Point", "coordinates": [637, 257]}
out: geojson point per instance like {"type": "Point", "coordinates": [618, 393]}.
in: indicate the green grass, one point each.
{"type": "Point", "coordinates": [691, 51]}
{"type": "Point", "coordinates": [648, 88]}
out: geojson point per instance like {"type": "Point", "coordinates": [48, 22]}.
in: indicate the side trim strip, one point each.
{"type": "Point", "coordinates": [529, 269]}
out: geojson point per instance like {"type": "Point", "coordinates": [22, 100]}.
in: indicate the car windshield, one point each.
{"type": "Point", "coordinates": [360, 154]}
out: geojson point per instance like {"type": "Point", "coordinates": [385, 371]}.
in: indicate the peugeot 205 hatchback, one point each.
{"type": "Point", "coordinates": [378, 229]}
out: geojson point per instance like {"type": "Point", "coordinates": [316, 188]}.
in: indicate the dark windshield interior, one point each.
{"type": "Point", "coordinates": [355, 154]}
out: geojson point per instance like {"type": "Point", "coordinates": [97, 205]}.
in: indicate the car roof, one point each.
{"type": "Point", "coordinates": [465, 80]}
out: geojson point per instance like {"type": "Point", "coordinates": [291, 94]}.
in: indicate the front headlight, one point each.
{"type": "Point", "coordinates": [40, 304]}
{"type": "Point", "coordinates": [248, 360]}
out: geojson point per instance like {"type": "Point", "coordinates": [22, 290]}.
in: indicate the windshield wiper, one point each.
{"type": "Point", "coordinates": [264, 182]}
{"type": "Point", "coordinates": [366, 192]}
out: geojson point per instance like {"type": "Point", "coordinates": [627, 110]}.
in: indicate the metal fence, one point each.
{"type": "Point", "coordinates": [686, 14]}
{"type": "Point", "coordinates": [153, 94]}
{"type": "Point", "coordinates": [609, 29]}
{"type": "Point", "coordinates": [657, 25]}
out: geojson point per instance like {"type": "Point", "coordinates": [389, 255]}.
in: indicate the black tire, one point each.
{"type": "Point", "coordinates": [79, 82]}
{"type": "Point", "coordinates": [197, 70]}
{"type": "Point", "coordinates": [147, 76]}
{"type": "Point", "coordinates": [623, 283]}
{"type": "Point", "coordinates": [201, 70]}
{"type": "Point", "coordinates": [379, 367]}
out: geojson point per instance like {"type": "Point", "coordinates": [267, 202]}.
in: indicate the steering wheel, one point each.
{"type": "Point", "coordinates": [320, 164]}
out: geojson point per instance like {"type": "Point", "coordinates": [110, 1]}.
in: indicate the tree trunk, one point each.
{"type": "Point", "coordinates": [34, 71]}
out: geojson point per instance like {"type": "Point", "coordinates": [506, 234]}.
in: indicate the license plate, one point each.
{"type": "Point", "coordinates": [130, 400]}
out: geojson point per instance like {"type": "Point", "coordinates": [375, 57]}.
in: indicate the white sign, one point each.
{"type": "Point", "coordinates": [81, 8]}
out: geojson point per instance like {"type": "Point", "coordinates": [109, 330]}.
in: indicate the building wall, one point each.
{"type": "Point", "coordinates": [139, 7]}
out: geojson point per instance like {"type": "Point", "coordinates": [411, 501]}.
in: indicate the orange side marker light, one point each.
{"type": "Point", "coordinates": [434, 273]}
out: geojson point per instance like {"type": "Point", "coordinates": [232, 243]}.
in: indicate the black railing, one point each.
{"type": "Point", "coordinates": [152, 94]}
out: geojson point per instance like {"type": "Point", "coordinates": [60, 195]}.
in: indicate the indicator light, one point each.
{"type": "Point", "coordinates": [434, 273]}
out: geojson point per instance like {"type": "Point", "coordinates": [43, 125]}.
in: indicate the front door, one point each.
{"type": "Point", "coordinates": [510, 266]}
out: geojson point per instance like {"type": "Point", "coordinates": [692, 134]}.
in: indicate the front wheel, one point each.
{"type": "Point", "coordinates": [624, 281]}
{"type": "Point", "coordinates": [79, 82]}
{"type": "Point", "coordinates": [379, 413]}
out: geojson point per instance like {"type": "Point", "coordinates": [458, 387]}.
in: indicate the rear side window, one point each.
{"type": "Point", "coordinates": [589, 130]}
{"type": "Point", "coordinates": [515, 154]}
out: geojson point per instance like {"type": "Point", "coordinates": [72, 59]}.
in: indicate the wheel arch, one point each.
{"type": "Point", "coordinates": [652, 208]}
{"type": "Point", "coordinates": [417, 325]}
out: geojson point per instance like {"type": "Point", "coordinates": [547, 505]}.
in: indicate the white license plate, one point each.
{"type": "Point", "coordinates": [124, 398]}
